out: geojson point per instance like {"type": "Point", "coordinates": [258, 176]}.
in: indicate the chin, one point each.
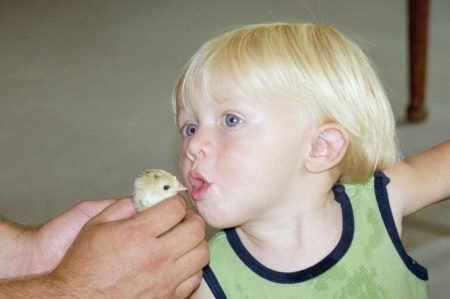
{"type": "Point", "coordinates": [217, 221]}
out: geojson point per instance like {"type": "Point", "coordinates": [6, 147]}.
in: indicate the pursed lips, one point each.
{"type": "Point", "coordinates": [199, 185]}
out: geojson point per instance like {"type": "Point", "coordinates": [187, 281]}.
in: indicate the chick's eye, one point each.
{"type": "Point", "coordinates": [232, 120]}
{"type": "Point", "coordinates": [190, 130]}
{"type": "Point", "coordinates": [166, 187]}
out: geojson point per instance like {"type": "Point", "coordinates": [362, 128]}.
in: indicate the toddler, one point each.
{"type": "Point", "coordinates": [289, 146]}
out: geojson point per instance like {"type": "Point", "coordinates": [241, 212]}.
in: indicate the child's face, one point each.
{"type": "Point", "coordinates": [241, 156]}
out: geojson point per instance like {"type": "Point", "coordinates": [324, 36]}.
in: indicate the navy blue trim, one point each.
{"type": "Point", "coordinates": [299, 276]}
{"type": "Point", "coordinates": [213, 283]}
{"type": "Point", "coordinates": [382, 196]}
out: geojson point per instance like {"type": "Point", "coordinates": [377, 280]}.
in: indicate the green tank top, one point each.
{"type": "Point", "coordinates": [368, 262]}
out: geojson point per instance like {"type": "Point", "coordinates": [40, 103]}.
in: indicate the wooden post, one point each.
{"type": "Point", "coordinates": [418, 39]}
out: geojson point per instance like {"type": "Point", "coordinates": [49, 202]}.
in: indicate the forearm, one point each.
{"type": "Point", "coordinates": [14, 254]}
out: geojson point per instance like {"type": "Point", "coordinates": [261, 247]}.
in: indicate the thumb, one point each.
{"type": "Point", "coordinates": [121, 209]}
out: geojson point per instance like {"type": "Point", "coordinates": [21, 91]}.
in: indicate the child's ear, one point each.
{"type": "Point", "coordinates": [328, 147]}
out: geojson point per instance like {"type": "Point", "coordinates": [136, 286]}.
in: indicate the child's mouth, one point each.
{"type": "Point", "coordinates": [199, 185]}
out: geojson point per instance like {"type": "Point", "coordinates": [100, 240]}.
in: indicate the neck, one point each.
{"type": "Point", "coordinates": [298, 238]}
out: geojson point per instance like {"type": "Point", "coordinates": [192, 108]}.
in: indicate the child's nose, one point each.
{"type": "Point", "coordinates": [200, 144]}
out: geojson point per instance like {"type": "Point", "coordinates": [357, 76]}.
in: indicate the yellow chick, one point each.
{"type": "Point", "coordinates": [153, 186]}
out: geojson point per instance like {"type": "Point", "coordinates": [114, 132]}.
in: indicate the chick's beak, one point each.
{"type": "Point", "coordinates": [180, 188]}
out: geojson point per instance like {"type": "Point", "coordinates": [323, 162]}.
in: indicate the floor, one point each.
{"type": "Point", "coordinates": [85, 93]}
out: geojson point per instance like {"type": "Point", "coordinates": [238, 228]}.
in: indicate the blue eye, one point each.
{"type": "Point", "coordinates": [190, 130]}
{"type": "Point", "coordinates": [232, 120]}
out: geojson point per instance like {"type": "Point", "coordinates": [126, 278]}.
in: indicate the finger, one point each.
{"type": "Point", "coordinates": [188, 286]}
{"type": "Point", "coordinates": [192, 262]}
{"type": "Point", "coordinates": [186, 235]}
{"type": "Point", "coordinates": [163, 216]}
{"type": "Point", "coordinates": [91, 208]}
{"type": "Point", "coordinates": [121, 209]}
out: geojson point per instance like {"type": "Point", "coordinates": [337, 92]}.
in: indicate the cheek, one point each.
{"type": "Point", "coordinates": [184, 164]}
{"type": "Point", "coordinates": [184, 169]}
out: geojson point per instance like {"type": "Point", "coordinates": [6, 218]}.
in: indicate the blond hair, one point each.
{"type": "Point", "coordinates": [325, 73]}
